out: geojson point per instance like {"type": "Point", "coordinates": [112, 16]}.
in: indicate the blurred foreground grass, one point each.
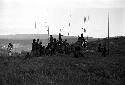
{"type": "Point", "coordinates": [62, 70]}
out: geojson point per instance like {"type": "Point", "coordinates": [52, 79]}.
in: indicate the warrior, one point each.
{"type": "Point", "coordinates": [51, 39]}
{"type": "Point", "coordinates": [37, 48]}
{"type": "Point", "coordinates": [66, 45]}
{"type": "Point", "coordinates": [104, 51]}
{"type": "Point", "coordinates": [34, 47]}
{"type": "Point", "coordinates": [40, 48]}
{"type": "Point", "coordinates": [48, 50]}
{"type": "Point", "coordinates": [60, 43]}
{"type": "Point", "coordinates": [43, 50]}
{"type": "Point", "coordinates": [60, 39]}
{"type": "Point", "coordinates": [77, 52]}
{"type": "Point", "coordinates": [10, 47]}
{"type": "Point", "coordinates": [84, 44]}
{"type": "Point", "coordinates": [27, 55]}
{"type": "Point", "coordinates": [54, 46]}
{"type": "Point", "coordinates": [99, 47]}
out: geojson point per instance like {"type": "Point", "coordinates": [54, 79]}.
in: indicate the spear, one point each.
{"type": "Point", "coordinates": [108, 34]}
{"type": "Point", "coordinates": [48, 30]}
{"type": "Point", "coordinates": [35, 24]}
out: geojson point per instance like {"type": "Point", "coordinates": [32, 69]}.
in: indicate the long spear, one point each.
{"type": "Point", "coordinates": [108, 34]}
{"type": "Point", "coordinates": [35, 24]}
{"type": "Point", "coordinates": [48, 30]}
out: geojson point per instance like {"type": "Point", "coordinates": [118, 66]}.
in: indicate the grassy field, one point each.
{"type": "Point", "coordinates": [62, 71]}
{"type": "Point", "coordinates": [92, 69]}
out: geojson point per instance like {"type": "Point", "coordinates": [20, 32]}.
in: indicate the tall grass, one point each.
{"type": "Point", "coordinates": [61, 71]}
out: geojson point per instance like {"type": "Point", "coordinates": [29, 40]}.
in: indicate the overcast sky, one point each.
{"type": "Point", "coordinates": [19, 16]}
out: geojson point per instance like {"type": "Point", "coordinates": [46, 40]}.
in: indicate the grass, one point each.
{"type": "Point", "coordinates": [62, 71]}
{"type": "Point", "coordinates": [92, 69]}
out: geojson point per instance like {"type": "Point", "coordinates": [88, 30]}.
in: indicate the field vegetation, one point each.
{"type": "Point", "coordinates": [91, 69]}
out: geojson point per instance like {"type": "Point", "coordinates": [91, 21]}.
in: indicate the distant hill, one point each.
{"type": "Point", "coordinates": [40, 36]}
{"type": "Point", "coordinates": [28, 36]}
{"type": "Point", "coordinates": [116, 45]}
{"type": "Point", "coordinates": [24, 36]}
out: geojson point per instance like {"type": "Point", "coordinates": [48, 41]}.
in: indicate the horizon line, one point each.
{"type": "Point", "coordinates": [54, 34]}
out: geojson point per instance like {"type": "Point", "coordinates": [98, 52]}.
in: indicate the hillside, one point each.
{"type": "Point", "coordinates": [116, 45]}
{"type": "Point", "coordinates": [91, 69]}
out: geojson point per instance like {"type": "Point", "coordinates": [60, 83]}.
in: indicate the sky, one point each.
{"type": "Point", "coordinates": [19, 17]}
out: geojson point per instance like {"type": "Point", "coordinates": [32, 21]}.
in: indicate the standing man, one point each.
{"type": "Point", "coordinates": [104, 51]}
{"type": "Point", "coordinates": [37, 48]}
{"type": "Point", "coordinates": [99, 47]}
{"type": "Point", "coordinates": [34, 47]}
{"type": "Point", "coordinates": [60, 38]}
{"type": "Point", "coordinates": [40, 49]}
{"type": "Point", "coordinates": [51, 39]}
{"type": "Point", "coordinates": [10, 47]}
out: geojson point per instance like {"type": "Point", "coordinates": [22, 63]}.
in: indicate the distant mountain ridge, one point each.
{"type": "Point", "coordinates": [32, 36]}
{"type": "Point", "coordinates": [24, 36]}
{"type": "Point", "coordinates": [28, 36]}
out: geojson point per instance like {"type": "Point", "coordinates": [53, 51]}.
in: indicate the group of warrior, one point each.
{"type": "Point", "coordinates": [56, 46]}
{"type": "Point", "coordinates": [59, 47]}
